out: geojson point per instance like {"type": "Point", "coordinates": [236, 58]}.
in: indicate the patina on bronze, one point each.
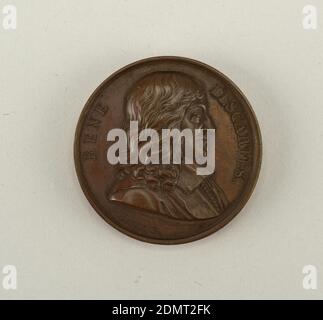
{"type": "Point", "coordinates": [168, 203]}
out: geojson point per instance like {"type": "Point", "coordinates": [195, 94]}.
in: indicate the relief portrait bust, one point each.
{"type": "Point", "coordinates": [168, 100]}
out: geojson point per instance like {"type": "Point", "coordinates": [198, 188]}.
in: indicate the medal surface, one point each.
{"type": "Point", "coordinates": [167, 150]}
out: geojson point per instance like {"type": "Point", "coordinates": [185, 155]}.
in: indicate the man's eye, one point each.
{"type": "Point", "coordinates": [196, 118]}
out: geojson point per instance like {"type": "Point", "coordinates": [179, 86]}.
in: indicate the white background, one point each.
{"type": "Point", "coordinates": [61, 51]}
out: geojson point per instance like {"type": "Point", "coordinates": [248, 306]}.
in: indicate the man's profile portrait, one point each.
{"type": "Point", "coordinates": [170, 100]}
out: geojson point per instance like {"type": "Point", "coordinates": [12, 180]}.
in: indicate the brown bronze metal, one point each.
{"type": "Point", "coordinates": [168, 203]}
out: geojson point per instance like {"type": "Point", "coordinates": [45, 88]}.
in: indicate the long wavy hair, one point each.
{"type": "Point", "coordinates": [159, 101]}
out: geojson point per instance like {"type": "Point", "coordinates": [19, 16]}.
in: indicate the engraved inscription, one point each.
{"type": "Point", "coordinates": [95, 118]}
{"type": "Point", "coordinates": [89, 155]}
{"type": "Point", "coordinates": [92, 124]}
{"type": "Point", "coordinates": [90, 138]}
{"type": "Point", "coordinates": [101, 109]}
{"type": "Point", "coordinates": [241, 128]}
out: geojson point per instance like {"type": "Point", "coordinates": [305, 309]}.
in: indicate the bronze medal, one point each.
{"type": "Point", "coordinates": [167, 150]}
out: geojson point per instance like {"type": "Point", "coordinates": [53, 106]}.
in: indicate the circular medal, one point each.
{"type": "Point", "coordinates": [167, 150]}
